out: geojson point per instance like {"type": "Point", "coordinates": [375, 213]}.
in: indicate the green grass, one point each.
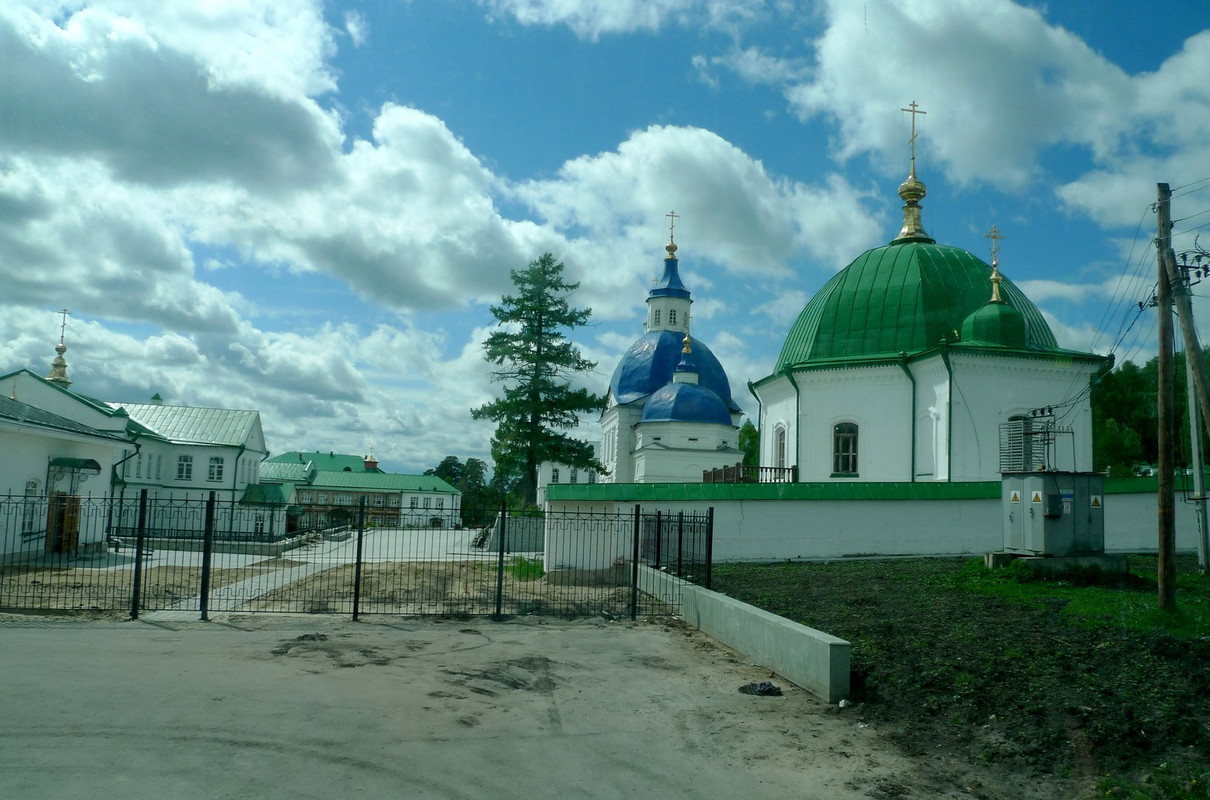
{"type": "Point", "coordinates": [1095, 599]}
{"type": "Point", "coordinates": [525, 569]}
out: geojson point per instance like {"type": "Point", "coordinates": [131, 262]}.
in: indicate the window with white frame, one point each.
{"type": "Point", "coordinates": [184, 468]}
{"type": "Point", "coordinates": [655, 318]}
{"type": "Point", "coordinates": [575, 476]}
{"type": "Point", "coordinates": [415, 502]}
{"type": "Point", "coordinates": [779, 447]}
{"type": "Point", "coordinates": [554, 474]}
{"type": "Point", "coordinates": [672, 316]}
{"type": "Point", "coordinates": [215, 471]}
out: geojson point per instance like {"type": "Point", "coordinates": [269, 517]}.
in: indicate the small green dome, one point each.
{"type": "Point", "coordinates": [997, 325]}
{"type": "Point", "coordinates": [905, 298]}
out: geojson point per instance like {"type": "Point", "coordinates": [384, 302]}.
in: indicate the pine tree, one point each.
{"type": "Point", "coordinates": [536, 364]}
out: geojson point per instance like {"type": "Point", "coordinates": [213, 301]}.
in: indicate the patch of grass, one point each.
{"type": "Point", "coordinates": [1093, 598]}
{"type": "Point", "coordinates": [525, 569]}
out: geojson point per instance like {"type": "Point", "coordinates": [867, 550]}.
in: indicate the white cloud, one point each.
{"type": "Point", "coordinates": [998, 82]}
{"type": "Point", "coordinates": [591, 19]}
{"type": "Point", "coordinates": [356, 27]}
{"type": "Point", "coordinates": [732, 212]}
{"type": "Point", "coordinates": [784, 308]}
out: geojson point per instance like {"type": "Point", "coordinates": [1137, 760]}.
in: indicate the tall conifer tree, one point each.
{"type": "Point", "coordinates": [536, 365]}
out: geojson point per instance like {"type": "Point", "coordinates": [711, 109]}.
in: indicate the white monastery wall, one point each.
{"type": "Point", "coordinates": [778, 530]}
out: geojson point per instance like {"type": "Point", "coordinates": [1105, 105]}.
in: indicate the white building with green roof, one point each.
{"type": "Point", "coordinates": [920, 362]}
{"type": "Point", "coordinates": [187, 451]}
{"type": "Point", "coordinates": [328, 487]}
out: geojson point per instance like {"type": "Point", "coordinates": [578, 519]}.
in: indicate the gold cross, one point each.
{"type": "Point", "coordinates": [63, 327]}
{"type": "Point", "coordinates": [913, 109]}
{"type": "Point", "coordinates": [995, 236]}
{"type": "Point", "coordinates": [672, 215]}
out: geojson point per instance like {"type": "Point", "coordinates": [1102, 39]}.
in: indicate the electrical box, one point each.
{"type": "Point", "coordinates": [1053, 513]}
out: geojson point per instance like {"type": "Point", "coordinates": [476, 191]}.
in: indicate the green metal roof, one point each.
{"type": "Point", "coordinates": [265, 494]}
{"type": "Point", "coordinates": [379, 482]}
{"type": "Point", "coordinates": [189, 425]}
{"type": "Point", "coordinates": [841, 490]}
{"type": "Point", "coordinates": [717, 492]}
{"type": "Point", "coordinates": [278, 472]}
{"type": "Point", "coordinates": [17, 411]}
{"type": "Point", "coordinates": [901, 298]}
{"type": "Point", "coordinates": [997, 325]}
{"type": "Point", "coordinates": [324, 462]}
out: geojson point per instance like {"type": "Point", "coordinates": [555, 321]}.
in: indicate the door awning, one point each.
{"type": "Point", "coordinates": [77, 464]}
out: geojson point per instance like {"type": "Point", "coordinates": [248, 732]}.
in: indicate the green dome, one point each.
{"type": "Point", "coordinates": [904, 298]}
{"type": "Point", "coordinates": [997, 325]}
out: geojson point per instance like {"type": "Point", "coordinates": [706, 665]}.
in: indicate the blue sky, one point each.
{"type": "Point", "coordinates": [306, 208]}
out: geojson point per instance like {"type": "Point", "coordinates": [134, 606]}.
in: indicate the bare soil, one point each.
{"type": "Point", "coordinates": [448, 588]}
{"type": "Point", "coordinates": [80, 587]}
{"type": "Point", "coordinates": [1035, 702]}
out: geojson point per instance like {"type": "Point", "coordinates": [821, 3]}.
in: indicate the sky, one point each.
{"type": "Point", "coordinates": [307, 208]}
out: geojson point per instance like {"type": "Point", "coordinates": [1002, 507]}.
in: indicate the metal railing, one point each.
{"type": "Point", "coordinates": [146, 554]}
{"type": "Point", "coordinates": [743, 473]}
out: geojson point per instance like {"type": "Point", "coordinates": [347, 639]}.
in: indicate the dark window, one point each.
{"type": "Point", "coordinates": [844, 449]}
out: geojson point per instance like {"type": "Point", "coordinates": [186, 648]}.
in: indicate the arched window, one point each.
{"type": "Point", "coordinates": [844, 449]}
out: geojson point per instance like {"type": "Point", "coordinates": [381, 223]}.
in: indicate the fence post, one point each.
{"type": "Point", "coordinates": [680, 542]}
{"type": "Point", "coordinates": [659, 539]}
{"type": "Point", "coordinates": [709, 543]}
{"type": "Point", "coordinates": [634, 566]}
{"type": "Point", "coordinates": [138, 555]}
{"type": "Point", "coordinates": [207, 550]}
{"type": "Point", "coordinates": [361, 528]}
{"type": "Point", "coordinates": [500, 557]}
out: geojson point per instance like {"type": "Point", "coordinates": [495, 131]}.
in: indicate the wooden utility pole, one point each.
{"type": "Point", "coordinates": [1166, 410]}
{"type": "Point", "coordinates": [1195, 364]}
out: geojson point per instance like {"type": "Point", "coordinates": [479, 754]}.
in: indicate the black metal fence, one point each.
{"type": "Point", "coordinates": [145, 554]}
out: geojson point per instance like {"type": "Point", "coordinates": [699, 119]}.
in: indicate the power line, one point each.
{"type": "Point", "coordinates": [1205, 180]}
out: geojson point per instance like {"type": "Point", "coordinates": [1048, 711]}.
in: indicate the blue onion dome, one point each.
{"type": "Point", "coordinates": [651, 361]}
{"type": "Point", "coordinates": [686, 402]}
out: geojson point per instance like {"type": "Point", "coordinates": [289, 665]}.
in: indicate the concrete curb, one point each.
{"type": "Point", "coordinates": [814, 660]}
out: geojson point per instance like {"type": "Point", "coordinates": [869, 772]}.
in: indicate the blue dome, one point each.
{"type": "Point", "coordinates": [686, 402]}
{"type": "Point", "coordinates": [651, 361]}
{"type": "Point", "coordinates": [670, 285]}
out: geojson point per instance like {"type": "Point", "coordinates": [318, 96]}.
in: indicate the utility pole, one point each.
{"type": "Point", "coordinates": [1195, 451]}
{"type": "Point", "coordinates": [1166, 499]}
{"type": "Point", "coordinates": [1195, 371]}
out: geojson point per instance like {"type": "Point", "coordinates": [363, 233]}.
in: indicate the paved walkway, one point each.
{"type": "Point", "coordinates": [297, 707]}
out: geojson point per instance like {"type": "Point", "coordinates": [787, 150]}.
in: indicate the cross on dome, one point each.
{"type": "Point", "coordinates": [995, 235]}
{"type": "Point", "coordinates": [671, 246]}
{"type": "Point", "coordinates": [913, 109]}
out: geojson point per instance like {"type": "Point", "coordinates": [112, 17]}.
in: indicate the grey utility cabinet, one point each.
{"type": "Point", "coordinates": [1053, 513]}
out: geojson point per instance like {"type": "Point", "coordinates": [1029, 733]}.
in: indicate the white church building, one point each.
{"type": "Point", "coordinates": [920, 362]}
{"type": "Point", "coordinates": [669, 413]}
